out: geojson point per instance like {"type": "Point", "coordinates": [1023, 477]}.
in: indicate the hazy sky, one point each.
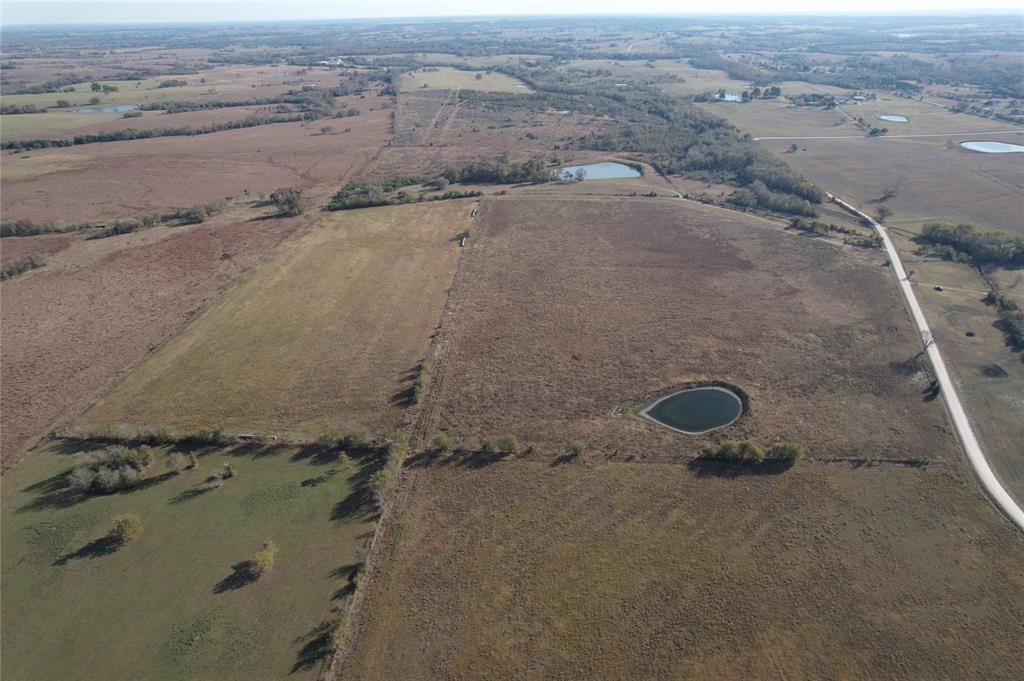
{"type": "Point", "coordinates": [144, 11]}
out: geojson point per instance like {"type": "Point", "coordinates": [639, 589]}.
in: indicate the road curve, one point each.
{"type": "Point", "coordinates": [977, 458]}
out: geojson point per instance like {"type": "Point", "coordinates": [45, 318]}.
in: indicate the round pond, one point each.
{"type": "Point", "coordinates": [993, 147]}
{"type": "Point", "coordinates": [695, 410]}
{"type": "Point", "coordinates": [607, 170]}
{"type": "Point", "coordinates": [893, 118]}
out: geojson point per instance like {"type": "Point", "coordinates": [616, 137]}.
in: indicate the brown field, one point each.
{"type": "Point", "coordinates": [570, 312]}
{"type": "Point", "coordinates": [117, 179]}
{"type": "Point", "coordinates": [935, 182]}
{"type": "Point", "coordinates": [14, 248]}
{"type": "Point", "coordinates": [325, 336]}
{"type": "Point", "coordinates": [74, 328]}
{"type": "Point", "coordinates": [624, 571]}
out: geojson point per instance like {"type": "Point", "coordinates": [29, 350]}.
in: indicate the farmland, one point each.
{"type": "Point", "coordinates": [447, 78]}
{"type": "Point", "coordinates": [326, 335]}
{"type": "Point", "coordinates": [795, 322]}
{"type": "Point", "coordinates": [618, 570]}
{"type": "Point", "coordinates": [163, 597]}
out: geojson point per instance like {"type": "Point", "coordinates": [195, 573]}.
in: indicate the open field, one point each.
{"type": "Point", "coordinates": [571, 312]}
{"type": "Point", "coordinates": [75, 327]}
{"type": "Point", "coordinates": [936, 179]}
{"type": "Point", "coordinates": [327, 335]}
{"type": "Point", "coordinates": [121, 179]}
{"type": "Point", "coordinates": [776, 118]}
{"type": "Point", "coordinates": [621, 571]}
{"type": "Point", "coordinates": [166, 598]}
{"type": "Point", "coordinates": [924, 118]}
{"type": "Point", "coordinates": [15, 248]}
{"type": "Point", "coordinates": [448, 78]}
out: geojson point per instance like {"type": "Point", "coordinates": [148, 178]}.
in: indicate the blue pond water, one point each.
{"type": "Point", "coordinates": [696, 410]}
{"type": "Point", "coordinates": [993, 147]}
{"type": "Point", "coordinates": [120, 108]}
{"type": "Point", "coordinates": [893, 118]}
{"type": "Point", "coordinates": [606, 170]}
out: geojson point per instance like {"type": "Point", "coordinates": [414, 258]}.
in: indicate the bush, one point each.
{"type": "Point", "coordinates": [786, 451]}
{"type": "Point", "coordinates": [288, 201]}
{"type": "Point", "coordinates": [739, 451]}
{"type": "Point", "coordinates": [112, 469]}
{"type": "Point", "coordinates": [443, 443]}
{"type": "Point", "coordinates": [357, 439]}
{"type": "Point", "coordinates": [127, 528]}
{"type": "Point", "coordinates": [507, 444]}
{"type": "Point", "coordinates": [263, 561]}
{"type": "Point", "coordinates": [577, 448]}
{"type": "Point", "coordinates": [21, 265]}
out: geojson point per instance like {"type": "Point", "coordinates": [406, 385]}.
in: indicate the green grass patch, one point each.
{"type": "Point", "coordinates": [168, 605]}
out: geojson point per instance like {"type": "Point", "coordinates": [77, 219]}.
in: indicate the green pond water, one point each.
{"type": "Point", "coordinates": [696, 410]}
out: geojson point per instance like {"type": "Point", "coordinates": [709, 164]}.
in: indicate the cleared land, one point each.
{"type": "Point", "coordinates": [570, 312]}
{"type": "Point", "coordinates": [327, 335]}
{"type": "Point", "coordinates": [121, 179]}
{"type": "Point", "coordinates": [620, 571]}
{"type": "Point", "coordinates": [167, 598]}
{"type": "Point", "coordinates": [448, 78]}
{"type": "Point", "coordinates": [72, 329]}
{"type": "Point", "coordinates": [936, 179]}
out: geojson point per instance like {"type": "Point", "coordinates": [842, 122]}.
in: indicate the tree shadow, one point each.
{"type": "Point", "coordinates": [242, 575]}
{"type": "Point", "coordinates": [406, 395]}
{"type": "Point", "coordinates": [568, 457]}
{"type": "Point", "coordinates": [317, 647]}
{"type": "Point", "coordinates": [705, 466]}
{"type": "Point", "coordinates": [349, 573]}
{"type": "Point", "coordinates": [317, 454]}
{"type": "Point", "coordinates": [97, 548]}
{"type": "Point", "coordinates": [320, 479]}
{"type": "Point", "coordinates": [193, 493]}
{"type": "Point", "coordinates": [360, 502]}
{"type": "Point", "coordinates": [55, 496]}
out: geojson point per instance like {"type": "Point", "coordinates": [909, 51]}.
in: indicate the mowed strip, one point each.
{"type": "Point", "coordinates": [655, 571]}
{"type": "Point", "coordinates": [326, 336]}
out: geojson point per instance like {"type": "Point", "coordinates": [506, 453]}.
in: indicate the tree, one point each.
{"type": "Point", "coordinates": [507, 444]}
{"type": "Point", "coordinates": [883, 213]}
{"type": "Point", "coordinates": [793, 148]}
{"type": "Point", "coordinates": [756, 93]}
{"type": "Point", "coordinates": [288, 201]}
{"type": "Point", "coordinates": [745, 96]}
{"type": "Point", "coordinates": [786, 451]}
{"type": "Point", "coordinates": [443, 443]}
{"type": "Point", "coordinates": [580, 175]}
{"type": "Point", "coordinates": [127, 528]}
{"type": "Point", "coordinates": [175, 462]}
{"type": "Point", "coordinates": [889, 193]}
{"type": "Point", "coordinates": [263, 561]}
{"type": "Point", "coordinates": [327, 130]}
{"type": "Point", "coordinates": [96, 87]}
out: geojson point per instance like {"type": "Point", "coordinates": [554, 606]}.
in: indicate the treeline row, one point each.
{"type": "Point", "coordinates": [21, 265]}
{"type": "Point", "coordinates": [134, 134]}
{"type": "Point", "coordinates": [966, 244]}
{"type": "Point", "coordinates": [1011, 316]}
{"type": "Point", "coordinates": [180, 216]}
{"type": "Point", "coordinates": [368, 193]}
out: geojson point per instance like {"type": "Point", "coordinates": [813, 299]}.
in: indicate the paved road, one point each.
{"type": "Point", "coordinates": [893, 137]}
{"type": "Point", "coordinates": [956, 410]}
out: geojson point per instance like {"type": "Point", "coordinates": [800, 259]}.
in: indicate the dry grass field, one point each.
{"type": "Point", "coordinates": [624, 571]}
{"type": "Point", "coordinates": [327, 335]}
{"type": "Point", "coordinates": [570, 312]}
{"type": "Point", "coordinates": [119, 179]}
{"type": "Point", "coordinates": [72, 329]}
{"type": "Point", "coordinates": [448, 78]}
{"type": "Point", "coordinates": [936, 179]}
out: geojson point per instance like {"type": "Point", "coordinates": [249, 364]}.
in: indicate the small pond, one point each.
{"type": "Point", "coordinates": [607, 170]}
{"type": "Point", "coordinates": [730, 97]}
{"type": "Point", "coordinates": [893, 118]}
{"type": "Point", "coordinates": [696, 410]}
{"type": "Point", "coordinates": [993, 147]}
{"type": "Point", "coordinates": [119, 108]}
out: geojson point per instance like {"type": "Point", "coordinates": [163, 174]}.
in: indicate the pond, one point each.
{"type": "Point", "coordinates": [730, 97]}
{"type": "Point", "coordinates": [119, 108]}
{"type": "Point", "coordinates": [607, 170]}
{"type": "Point", "coordinates": [695, 410]}
{"type": "Point", "coordinates": [993, 147]}
{"type": "Point", "coordinates": [893, 118]}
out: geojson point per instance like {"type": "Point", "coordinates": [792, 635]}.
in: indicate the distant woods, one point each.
{"type": "Point", "coordinates": [964, 243]}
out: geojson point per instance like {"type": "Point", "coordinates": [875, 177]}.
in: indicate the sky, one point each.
{"type": "Point", "coordinates": [14, 12]}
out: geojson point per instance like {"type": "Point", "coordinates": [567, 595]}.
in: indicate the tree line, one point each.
{"type": "Point", "coordinates": [964, 243]}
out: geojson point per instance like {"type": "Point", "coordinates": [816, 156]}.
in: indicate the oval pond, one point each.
{"type": "Point", "coordinates": [993, 147]}
{"type": "Point", "coordinates": [695, 410]}
{"type": "Point", "coordinates": [893, 118]}
{"type": "Point", "coordinates": [118, 108]}
{"type": "Point", "coordinates": [607, 170]}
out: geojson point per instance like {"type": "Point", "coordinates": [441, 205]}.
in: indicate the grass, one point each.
{"type": "Point", "coordinates": [621, 571]}
{"type": "Point", "coordinates": [448, 78]}
{"type": "Point", "coordinates": [26, 166]}
{"type": "Point", "coordinates": [326, 335]}
{"type": "Point", "coordinates": [147, 90]}
{"type": "Point", "coordinates": [167, 598]}
{"type": "Point", "coordinates": [54, 121]}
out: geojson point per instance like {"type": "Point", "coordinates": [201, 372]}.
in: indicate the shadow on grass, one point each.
{"type": "Point", "coordinates": [97, 548]}
{"type": "Point", "coordinates": [242, 574]}
{"type": "Point", "coordinates": [316, 647]}
{"type": "Point", "coordinates": [360, 502]}
{"type": "Point", "coordinates": [460, 458]}
{"type": "Point", "coordinates": [349, 573]}
{"type": "Point", "coordinates": [193, 493]}
{"type": "Point", "coordinates": [317, 454]}
{"type": "Point", "coordinates": [705, 466]}
{"type": "Point", "coordinates": [55, 496]}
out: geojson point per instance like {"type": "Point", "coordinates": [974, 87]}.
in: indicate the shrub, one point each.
{"type": "Point", "coordinates": [507, 444]}
{"type": "Point", "coordinates": [444, 443]}
{"type": "Point", "coordinates": [741, 451]}
{"type": "Point", "coordinates": [127, 528]}
{"type": "Point", "coordinates": [357, 439]}
{"type": "Point", "coordinates": [577, 448]}
{"type": "Point", "coordinates": [288, 201]}
{"type": "Point", "coordinates": [263, 561]}
{"type": "Point", "coordinates": [786, 451]}
{"type": "Point", "coordinates": [175, 462]}
{"type": "Point", "coordinates": [21, 265]}
{"type": "Point", "coordinates": [107, 480]}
